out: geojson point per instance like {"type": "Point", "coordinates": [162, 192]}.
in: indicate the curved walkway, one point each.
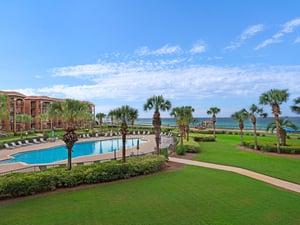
{"type": "Point", "coordinates": [267, 179]}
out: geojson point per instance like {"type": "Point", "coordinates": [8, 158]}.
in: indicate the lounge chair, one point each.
{"type": "Point", "coordinates": [27, 142]}
{"type": "Point", "coordinates": [8, 146]}
{"type": "Point", "coordinates": [15, 145]}
{"type": "Point", "coordinates": [20, 143]}
{"type": "Point", "coordinates": [43, 140]}
{"type": "Point", "coordinates": [35, 141]}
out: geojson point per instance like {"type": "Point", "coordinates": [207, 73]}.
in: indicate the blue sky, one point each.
{"type": "Point", "coordinates": [112, 53]}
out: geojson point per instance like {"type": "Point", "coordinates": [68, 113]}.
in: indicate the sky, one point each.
{"type": "Point", "coordinates": [199, 53]}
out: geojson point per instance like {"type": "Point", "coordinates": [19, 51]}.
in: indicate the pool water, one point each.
{"type": "Point", "coordinates": [59, 153]}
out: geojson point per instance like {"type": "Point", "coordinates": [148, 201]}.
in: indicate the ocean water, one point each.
{"type": "Point", "coordinates": [222, 122]}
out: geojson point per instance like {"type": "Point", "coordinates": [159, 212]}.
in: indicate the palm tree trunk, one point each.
{"type": "Point", "coordinates": [241, 132]}
{"type": "Point", "coordinates": [69, 164]}
{"type": "Point", "coordinates": [277, 133]}
{"type": "Point", "coordinates": [124, 147]}
{"type": "Point", "coordinates": [255, 136]}
{"type": "Point", "coordinates": [157, 123]}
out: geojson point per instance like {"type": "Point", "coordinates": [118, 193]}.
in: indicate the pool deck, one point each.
{"type": "Point", "coordinates": [145, 148]}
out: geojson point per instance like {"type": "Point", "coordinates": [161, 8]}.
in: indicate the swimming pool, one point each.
{"type": "Point", "coordinates": [59, 153]}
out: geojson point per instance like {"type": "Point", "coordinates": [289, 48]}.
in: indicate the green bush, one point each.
{"type": "Point", "coordinates": [22, 184]}
{"type": "Point", "coordinates": [204, 138]}
{"type": "Point", "coordinates": [180, 150]}
{"type": "Point", "coordinates": [271, 147]}
{"type": "Point", "coordinates": [192, 149]}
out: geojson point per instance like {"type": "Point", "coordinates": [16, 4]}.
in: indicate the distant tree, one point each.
{"type": "Point", "coordinates": [296, 107]}
{"type": "Point", "coordinates": [133, 115]}
{"type": "Point", "coordinates": [158, 103]}
{"type": "Point", "coordinates": [100, 117]}
{"type": "Point", "coordinates": [178, 113]}
{"type": "Point", "coordinates": [112, 115]}
{"type": "Point", "coordinates": [283, 124]}
{"type": "Point", "coordinates": [254, 111]}
{"type": "Point", "coordinates": [4, 113]}
{"type": "Point", "coordinates": [275, 98]}
{"type": "Point", "coordinates": [241, 116]}
{"type": "Point", "coordinates": [184, 116]}
{"type": "Point", "coordinates": [43, 118]}
{"type": "Point", "coordinates": [213, 111]}
{"type": "Point", "coordinates": [22, 119]}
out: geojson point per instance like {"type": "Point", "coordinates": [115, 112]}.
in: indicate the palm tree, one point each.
{"type": "Point", "coordinates": [158, 103]}
{"type": "Point", "coordinates": [275, 98]}
{"type": "Point", "coordinates": [188, 116]}
{"type": "Point", "coordinates": [72, 112]}
{"type": "Point", "coordinates": [43, 118]}
{"type": "Point", "coordinates": [213, 111]}
{"type": "Point", "coordinates": [123, 114]}
{"type": "Point", "coordinates": [133, 115]}
{"type": "Point", "coordinates": [23, 119]}
{"type": "Point", "coordinates": [4, 113]}
{"type": "Point", "coordinates": [283, 124]}
{"type": "Point", "coordinates": [253, 112]}
{"type": "Point", "coordinates": [178, 113]}
{"type": "Point", "coordinates": [100, 117]}
{"type": "Point", "coordinates": [112, 115]}
{"type": "Point", "coordinates": [241, 116]}
{"type": "Point", "coordinates": [296, 107]}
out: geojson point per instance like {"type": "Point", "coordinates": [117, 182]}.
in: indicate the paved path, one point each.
{"type": "Point", "coordinates": [271, 180]}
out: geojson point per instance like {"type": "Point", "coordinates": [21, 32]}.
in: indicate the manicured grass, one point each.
{"type": "Point", "coordinates": [224, 151]}
{"type": "Point", "coordinates": [191, 195]}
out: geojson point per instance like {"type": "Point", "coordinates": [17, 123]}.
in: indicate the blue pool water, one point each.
{"type": "Point", "coordinates": [59, 153]}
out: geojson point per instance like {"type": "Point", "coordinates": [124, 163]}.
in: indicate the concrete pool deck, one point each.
{"type": "Point", "coordinates": [145, 148]}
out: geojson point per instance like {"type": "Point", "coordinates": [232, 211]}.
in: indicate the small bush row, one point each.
{"type": "Point", "coordinates": [271, 147]}
{"type": "Point", "coordinates": [22, 184]}
{"type": "Point", "coordinates": [204, 138]}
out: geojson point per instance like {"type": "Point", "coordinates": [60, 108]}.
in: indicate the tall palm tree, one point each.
{"type": "Point", "coordinates": [100, 117]}
{"type": "Point", "coordinates": [213, 111]}
{"type": "Point", "coordinates": [283, 124]}
{"type": "Point", "coordinates": [253, 112]}
{"type": "Point", "coordinates": [241, 116]}
{"type": "Point", "coordinates": [178, 113]}
{"type": "Point", "coordinates": [296, 107]}
{"type": "Point", "coordinates": [123, 114]}
{"type": "Point", "coordinates": [275, 98]}
{"type": "Point", "coordinates": [4, 113]}
{"type": "Point", "coordinates": [188, 116]}
{"type": "Point", "coordinates": [72, 112]}
{"type": "Point", "coordinates": [22, 119]}
{"type": "Point", "coordinates": [158, 103]}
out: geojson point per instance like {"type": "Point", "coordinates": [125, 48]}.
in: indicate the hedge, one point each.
{"type": "Point", "coordinates": [22, 184]}
{"type": "Point", "coordinates": [271, 147]}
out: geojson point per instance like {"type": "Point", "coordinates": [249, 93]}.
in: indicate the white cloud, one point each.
{"type": "Point", "coordinates": [165, 50]}
{"type": "Point", "coordinates": [297, 40]}
{"type": "Point", "coordinates": [135, 81]}
{"type": "Point", "coordinates": [288, 27]}
{"type": "Point", "coordinates": [248, 33]}
{"type": "Point", "coordinates": [199, 47]}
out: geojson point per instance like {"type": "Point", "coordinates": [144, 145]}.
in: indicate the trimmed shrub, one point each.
{"type": "Point", "coordinates": [180, 150]}
{"type": "Point", "coordinates": [204, 138]}
{"type": "Point", "coordinates": [192, 149]}
{"type": "Point", "coordinates": [22, 184]}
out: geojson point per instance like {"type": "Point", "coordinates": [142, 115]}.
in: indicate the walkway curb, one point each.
{"type": "Point", "coordinates": [267, 179]}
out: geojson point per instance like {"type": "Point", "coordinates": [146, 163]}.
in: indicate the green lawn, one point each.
{"type": "Point", "coordinates": [191, 195]}
{"type": "Point", "coordinates": [224, 151]}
